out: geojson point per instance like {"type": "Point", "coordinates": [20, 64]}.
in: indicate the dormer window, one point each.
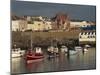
{"type": "Point", "coordinates": [39, 24]}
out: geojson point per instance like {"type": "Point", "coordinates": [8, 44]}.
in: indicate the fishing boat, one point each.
{"type": "Point", "coordinates": [17, 52]}
{"type": "Point", "coordinates": [87, 46]}
{"type": "Point", "coordinates": [85, 49]}
{"type": "Point", "coordinates": [53, 51]}
{"type": "Point", "coordinates": [50, 51]}
{"type": "Point", "coordinates": [56, 51]}
{"type": "Point", "coordinates": [73, 52]}
{"type": "Point", "coordinates": [64, 49]}
{"type": "Point", "coordinates": [31, 56]}
{"type": "Point", "coordinates": [78, 48]}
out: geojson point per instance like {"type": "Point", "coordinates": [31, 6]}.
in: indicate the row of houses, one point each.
{"type": "Point", "coordinates": [19, 25]}
{"type": "Point", "coordinates": [26, 24]}
{"type": "Point", "coordinates": [40, 24]}
{"type": "Point", "coordinates": [80, 24]}
{"type": "Point", "coordinates": [87, 36]}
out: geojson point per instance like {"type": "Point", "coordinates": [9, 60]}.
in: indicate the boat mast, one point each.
{"type": "Point", "coordinates": [31, 41]}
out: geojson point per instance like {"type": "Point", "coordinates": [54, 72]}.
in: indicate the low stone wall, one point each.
{"type": "Point", "coordinates": [22, 39]}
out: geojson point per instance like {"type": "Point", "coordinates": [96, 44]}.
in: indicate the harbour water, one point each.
{"type": "Point", "coordinates": [79, 61]}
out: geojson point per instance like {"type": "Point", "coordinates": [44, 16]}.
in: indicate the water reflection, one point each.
{"type": "Point", "coordinates": [63, 62]}
{"type": "Point", "coordinates": [33, 66]}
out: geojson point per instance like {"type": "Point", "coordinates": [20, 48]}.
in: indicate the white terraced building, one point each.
{"type": "Point", "coordinates": [79, 24]}
{"type": "Point", "coordinates": [39, 26]}
{"type": "Point", "coordinates": [19, 25]}
{"type": "Point", "coordinates": [87, 36]}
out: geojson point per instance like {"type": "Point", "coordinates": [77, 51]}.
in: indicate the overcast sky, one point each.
{"type": "Point", "coordinates": [81, 12]}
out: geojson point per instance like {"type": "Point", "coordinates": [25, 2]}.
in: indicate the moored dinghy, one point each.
{"type": "Point", "coordinates": [78, 48]}
{"type": "Point", "coordinates": [50, 51]}
{"type": "Point", "coordinates": [85, 49]}
{"type": "Point", "coordinates": [64, 49]}
{"type": "Point", "coordinates": [53, 51]}
{"type": "Point", "coordinates": [73, 52]}
{"type": "Point", "coordinates": [17, 53]}
{"type": "Point", "coordinates": [87, 46]}
{"type": "Point", "coordinates": [56, 51]}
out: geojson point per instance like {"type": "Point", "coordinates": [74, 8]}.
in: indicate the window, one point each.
{"type": "Point", "coordinates": [81, 33]}
{"type": "Point", "coordinates": [43, 22]}
{"type": "Point", "coordinates": [93, 36]}
{"type": "Point", "coordinates": [88, 36]}
{"type": "Point", "coordinates": [39, 24]}
{"type": "Point", "coordinates": [92, 33]}
{"type": "Point", "coordinates": [89, 33]}
{"type": "Point", "coordinates": [85, 33]}
{"type": "Point", "coordinates": [48, 27]}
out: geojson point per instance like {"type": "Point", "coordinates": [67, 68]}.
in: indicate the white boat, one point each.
{"type": "Point", "coordinates": [50, 49]}
{"type": "Point", "coordinates": [88, 46]}
{"type": "Point", "coordinates": [14, 55]}
{"type": "Point", "coordinates": [56, 50]}
{"type": "Point", "coordinates": [72, 52]}
{"type": "Point", "coordinates": [78, 48]}
{"type": "Point", "coordinates": [17, 52]}
{"type": "Point", "coordinates": [64, 49]}
{"type": "Point", "coordinates": [53, 51]}
{"type": "Point", "coordinates": [85, 49]}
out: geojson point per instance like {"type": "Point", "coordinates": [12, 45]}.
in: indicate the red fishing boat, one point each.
{"type": "Point", "coordinates": [31, 56]}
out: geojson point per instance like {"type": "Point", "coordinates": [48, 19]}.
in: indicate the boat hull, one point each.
{"type": "Point", "coordinates": [72, 52]}
{"type": "Point", "coordinates": [33, 58]}
{"type": "Point", "coordinates": [16, 54]}
{"type": "Point", "coordinates": [78, 48]}
{"type": "Point", "coordinates": [31, 61]}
